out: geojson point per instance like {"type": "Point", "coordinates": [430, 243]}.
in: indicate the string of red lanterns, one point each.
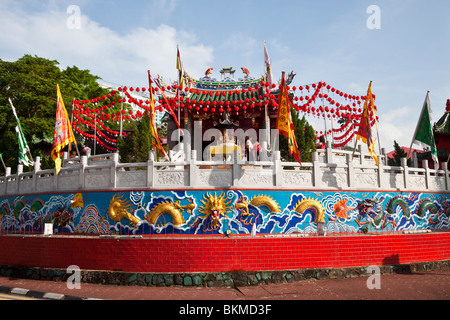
{"type": "Point", "coordinates": [316, 99]}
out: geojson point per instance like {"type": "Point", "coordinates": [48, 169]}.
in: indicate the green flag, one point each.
{"type": "Point", "coordinates": [23, 145]}
{"type": "Point", "coordinates": [424, 133]}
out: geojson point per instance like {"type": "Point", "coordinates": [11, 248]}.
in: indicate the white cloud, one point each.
{"type": "Point", "coordinates": [121, 59]}
{"type": "Point", "coordinates": [390, 132]}
{"type": "Point", "coordinates": [395, 114]}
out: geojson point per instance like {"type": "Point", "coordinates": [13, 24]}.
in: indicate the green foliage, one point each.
{"type": "Point", "coordinates": [142, 142]}
{"type": "Point", "coordinates": [125, 147]}
{"type": "Point", "coordinates": [399, 154]}
{"type": "Point", "coordinates": [135, 147]}
{"type": "Point", "coordinates": [31, 82]}
{"type": "Point", "coordinates": [305, 136]}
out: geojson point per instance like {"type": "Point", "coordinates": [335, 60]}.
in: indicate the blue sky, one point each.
{"type": "Point", "coordinates": [321, 40]}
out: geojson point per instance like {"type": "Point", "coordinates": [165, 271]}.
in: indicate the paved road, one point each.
{"type": "Point", "coordinates": [12, 297]}
{"type": "Point", "coordinates": [433, 285]}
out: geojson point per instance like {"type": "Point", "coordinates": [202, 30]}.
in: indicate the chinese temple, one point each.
{"type": "Point", "coordinates": [225, 104]}
{"type": "Point", "coordinates": [192, 218]}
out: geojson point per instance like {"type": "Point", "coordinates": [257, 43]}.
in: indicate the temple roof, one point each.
{"type": "Point", "coordinates": [242, 96]}
{"type": "Point", "coordinates": [226, 84]}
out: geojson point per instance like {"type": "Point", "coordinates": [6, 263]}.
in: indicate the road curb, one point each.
{"type": "Point", "coordinates": [40, 295]}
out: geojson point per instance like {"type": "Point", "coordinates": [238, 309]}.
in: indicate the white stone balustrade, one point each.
{"type": "Point", "coordinates": [329, 170]}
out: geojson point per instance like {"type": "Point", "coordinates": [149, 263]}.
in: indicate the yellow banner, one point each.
{"type": "Point", "coordinates": [284, 121]}
{"type": "Point", "coordinates": [63, 134]}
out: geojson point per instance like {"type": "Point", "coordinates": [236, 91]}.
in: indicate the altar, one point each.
{"type": "Point", "coordinates": [226, 150]}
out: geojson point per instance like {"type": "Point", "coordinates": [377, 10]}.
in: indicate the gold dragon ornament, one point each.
{"type": "Point", "coordinates": [317, 206]}
{"type": "Point", "coordinates": [257, 201]}
{"type": "Point", "coordinates": [174, 209]}
{"type": "Point", "coordinates": [215, 207]}
{"type": "Point", "coordinates": [118, 210]}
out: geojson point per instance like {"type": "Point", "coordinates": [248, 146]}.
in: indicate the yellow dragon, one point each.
{"type": "Point", "coordinates": [258, 201]}
{"type": "Point", "coordinates": [118, 210]}
{"type": "Point", "coordinates": [215, 207]}
{"type": "Point", "coordinates": [303, 205]}
{"type": "Point", "coordinates": [174, 209]}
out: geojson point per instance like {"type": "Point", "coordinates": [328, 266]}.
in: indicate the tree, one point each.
{"type": "Point", "coordinates": [30, 82]}
{"type": "Point", "coordinates": [136, 147]}
{"type": "Point", "coordinates": [305, 136]}
{"type": "Point", "coordinates": [142, 142]}
{"type": "Point", "coordinates": [398, 154]}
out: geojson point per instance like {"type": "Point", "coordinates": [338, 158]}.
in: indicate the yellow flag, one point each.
{"type": "Point", "coordinates": [284, 121]}
{"type": "Point", "coordinates": [365, 133]}
{"type": "Point", "coordinates": [63, 134]}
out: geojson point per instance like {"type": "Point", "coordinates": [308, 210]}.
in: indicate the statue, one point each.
{"type": "Point", "coordinates": [208, 72]}
{"type": "Point", "coordinates": [246, 72]}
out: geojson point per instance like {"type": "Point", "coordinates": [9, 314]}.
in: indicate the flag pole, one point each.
{"type": "Point", "coordinates": [95, 133]}
{"type": "Point", "coordinates": [4, 165]}
{"type": "Point", "coordinates": [266, 114]}
{"type": "Point", "coordinates": [71, 117]}
{"type": "Point", "coordinates": [376, 123]}
{"type": "Point", "coordinates": [178, 89]}
{"type": "Point", "coordinates": [121, 112]}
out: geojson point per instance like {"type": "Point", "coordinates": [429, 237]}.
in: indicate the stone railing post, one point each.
{"type": "Point", "coordinates": [7, 174]}
{"type": "Point", "coordinates": [19, 172]}
{"type": "Point", "coordinates": [381, 179]}
{"type": "Point", "coordinates": [235, 169]}
{"type": "Point", "coordinates": [37, 164]}
{"type": "Point", "coordinates": [278, 169]}
{"type": "Point", "coordinates": [37, 168]}
{"type": "Point", "coordinates": [329, 153]}
{"type": "Point", "coordinates": [83, 164]}
{"type": "Point", "coordinates": [151, 169]}
{"type": "Point", "coordinates": [383, 152]}
{"type": "Point", "coordinates": [427, 173]}
{"type": "Point", "coordinates": [193, 169]}
{"type": "Point", "coordinates": [114, 163]}
{"type": "Point", "coordinates": [65, 157]}
{"type": "Point", "coordinates": [361, 156]}
{"type": "Point", "coordinates": [317, 172]}
{"type": "Point", "coordinates": [404, 165]}
{"type": "Point", "coordinates": [350, 171]}
{"type": "Point", "coordinates": [447, 177]}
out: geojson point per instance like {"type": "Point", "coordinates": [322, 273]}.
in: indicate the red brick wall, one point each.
{"type": "Point", "coordinates": [222, 254]}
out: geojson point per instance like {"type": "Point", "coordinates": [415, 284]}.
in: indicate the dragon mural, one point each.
{"type": "Point", "coordinates": [196, 212]}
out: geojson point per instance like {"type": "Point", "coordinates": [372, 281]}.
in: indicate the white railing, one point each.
{"type": "Point", "coordinates": [329, 170]}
